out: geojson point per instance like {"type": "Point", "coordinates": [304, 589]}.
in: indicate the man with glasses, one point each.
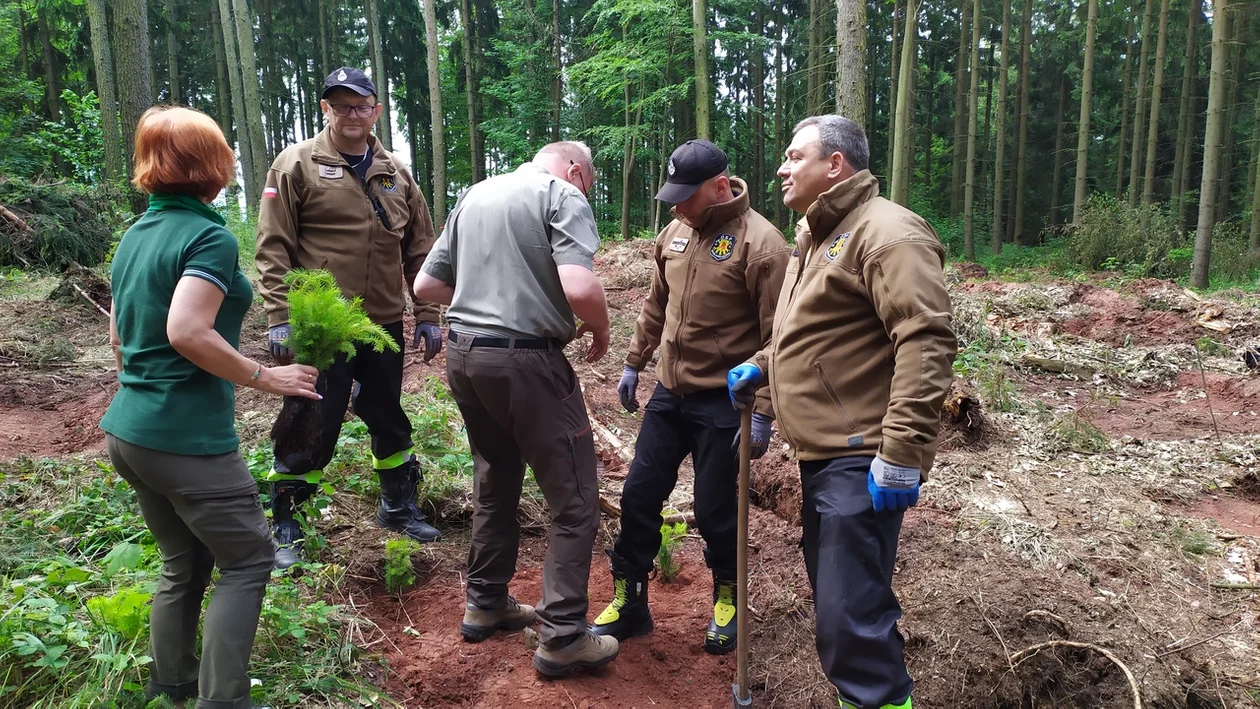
{"type": "Point", "coordinates": [340, 202]}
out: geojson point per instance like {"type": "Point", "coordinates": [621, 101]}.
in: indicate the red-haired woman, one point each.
{"type": "Point", "coordinates": [179, 300]}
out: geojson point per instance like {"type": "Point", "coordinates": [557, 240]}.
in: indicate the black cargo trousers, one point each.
{"type": "Point", "coordinates": [704, 425]}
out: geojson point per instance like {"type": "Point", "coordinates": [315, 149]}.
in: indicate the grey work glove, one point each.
{"type": "Point", "coordinates": [431, 334]}
{"type": "Point", "coordinates": [760, 435]}
{"type": "Point", "coordinates": [277, 338]}
{"type": "Point", "coordinates": [627, 387]}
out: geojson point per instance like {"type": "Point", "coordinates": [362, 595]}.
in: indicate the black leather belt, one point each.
{"type": "Point", "coordinates": [505, 343]}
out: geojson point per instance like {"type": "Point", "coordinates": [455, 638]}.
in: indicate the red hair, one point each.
{"type": "Point", "coordinates": [181, 151]}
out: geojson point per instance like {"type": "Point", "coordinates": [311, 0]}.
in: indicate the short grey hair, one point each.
{"type": "Point", "coordinates": [574, 150]}
{"type": "Point", "coordinates": [838, 134]}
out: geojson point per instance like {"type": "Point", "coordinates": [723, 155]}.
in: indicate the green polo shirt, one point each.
{"type": "Point", "coordinates": [164, 401]}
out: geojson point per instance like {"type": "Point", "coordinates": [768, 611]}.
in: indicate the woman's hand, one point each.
{"type": "Point", "coordinates": [290, 380]}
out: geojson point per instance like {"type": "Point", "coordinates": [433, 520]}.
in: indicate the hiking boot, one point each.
{"type": "Point", "coordinates": [723, 629]}
{"type": "Point", "coordinates": [628, 615]}
{"type": "Point", "coordinates": [480, 623]}
{"type": "Point", "coordinates": [287, 498]}
{"type": "Point", "coordinates": [583, 651]}
{"type": "Point", "coordinates": [906, 704]}
{"type": "Point", "coordinates": [398, 510]}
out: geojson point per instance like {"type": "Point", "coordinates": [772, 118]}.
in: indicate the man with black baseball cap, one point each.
{"type": "Point", "coordinates": [719, 268]}
{"type": "Point", "coordinates": [340, 202]}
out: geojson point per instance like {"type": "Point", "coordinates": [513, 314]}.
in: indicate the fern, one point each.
{"type": "Point", "coordinates": [324, 323]}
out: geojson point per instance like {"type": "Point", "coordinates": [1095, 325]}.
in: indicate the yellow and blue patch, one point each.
{"type": "Point", "coordinates": [833, 249]}
{"type": "Point", "coordinates": [723, 247]}
{"type": "Point", "coordinates": [388, 183]}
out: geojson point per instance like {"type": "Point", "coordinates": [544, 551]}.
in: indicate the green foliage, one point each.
{"type": "Point", "coordinates": [1114, 236]}
{"type": "Point", "coordinates": [400, 575]}
{"type": "Point", "coordinates": [76, 139]}
{"type": "Point", "coordinates": [69, 223]}
{"type": "Point", "coordinates": [672, 536]}
{"type": "Point", "coordinates": [125, 612]}
{"type": "Point", "coordinates": [325, 323]}
{"type": "Point", "coordinates": [1211, 347]}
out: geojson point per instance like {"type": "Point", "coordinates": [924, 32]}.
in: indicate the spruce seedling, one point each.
{"type": "Point", "coordinates": [325, 323]}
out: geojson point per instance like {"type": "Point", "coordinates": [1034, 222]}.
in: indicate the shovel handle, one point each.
{"type": "Point", "coordinates": [742, 695]}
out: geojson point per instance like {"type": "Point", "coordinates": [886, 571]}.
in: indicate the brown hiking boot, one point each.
{"type": "Point", "coordinates": [480, 623]}
{"type": "Point", "coordinates": [587, 651]}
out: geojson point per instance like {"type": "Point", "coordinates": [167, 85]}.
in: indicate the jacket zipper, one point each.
{"type": "Point", "coordinates": [844, 414]}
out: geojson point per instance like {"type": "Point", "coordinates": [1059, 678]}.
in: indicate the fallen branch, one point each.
{"type": "Point", "coordinates": [626, 455]}
{"type": "Point", "coordinates": [1197, 643]}
{"type": "Point", "coordinates": [1236, 586]}
{"type": "Point", "coordinates": [17, 221]}
{"type": "Point", "coordinates": [1057, 365]}
{"type": "Point", "coordinates": [611, 509]}
{"type": "Point", "coordinates": [88, 298]}
{"type": "Point", "coordinates": [1128, 675]}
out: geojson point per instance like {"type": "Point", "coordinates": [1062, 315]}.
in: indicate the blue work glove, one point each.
{"type": "Point", "coordinates": [277, 337]}
{"type": "Point", "coordinates": [760, 435]}
{"type": "Point", "coordinates": [892, 487]}
{"type": "Point", "coordinates": [431, 334]}
{"type": "Point", "coordinates": [742, 383]}
{"type": "Point", "coordinates": [626, 388]}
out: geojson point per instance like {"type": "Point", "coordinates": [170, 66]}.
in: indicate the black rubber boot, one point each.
{"type": "Point", "coordinates": [628, 615]}
{"type": "Point", "coordinates": [398, 510]}
{"type": "Point", "coordinates": [722, 634]}
{"type": "Point", "coordinates": [287, 499]}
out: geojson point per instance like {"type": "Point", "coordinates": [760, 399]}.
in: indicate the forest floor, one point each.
{"type": "Point", "coordinates": [1091, 529]}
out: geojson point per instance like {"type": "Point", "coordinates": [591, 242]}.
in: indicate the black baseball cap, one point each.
{"type": "Point", "coordinates": [691, 164]}
{"type": "Point", "coordinates": [348, 77]}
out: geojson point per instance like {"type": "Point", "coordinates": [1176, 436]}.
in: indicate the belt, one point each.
{"type": "Point", "coordinates": [506, 343]}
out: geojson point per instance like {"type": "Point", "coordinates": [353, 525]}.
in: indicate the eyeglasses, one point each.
{"type": "Point", "coordinates": [585, 189]}
{"type": "Point", "coordinates": [341, 110]}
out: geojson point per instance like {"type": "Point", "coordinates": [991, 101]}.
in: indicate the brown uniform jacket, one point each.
{"type": "Point", "coordinates": [316, 213]}
{"type": "Point", "coordinates": [863, 338]}
{"type": "Point", "coordinates": [713, 296]}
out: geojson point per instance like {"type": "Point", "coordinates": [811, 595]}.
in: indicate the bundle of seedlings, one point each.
{"type": "Point", "coordinates": [323, 323]}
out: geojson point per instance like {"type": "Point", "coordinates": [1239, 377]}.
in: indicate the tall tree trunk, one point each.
{"type": "Point", "coordinates": [270, 106]}
{"type": "Point", "coordinates": [851, 60]}
{"type": "Point", "coordinates": [986, 134]}
{"type": "Point", "coordinates": [1056, 188]}
{"type": "Point", "coordinates": [704, 95]}
{"type": "Point", "coordinates": [24, 54]}
{"type": "Point", "coordinates": [812, 56]}
{"type": "Point", "coordinates": [253, 103]}
{"type": "Point", "coordinates": [1124, 99]}
{"type": "Point", "coordinates": [1139, 112]}
{"type": "Point", "coordinates": [1212, 145]}
{"type": "Point", "coordinates": [894, 53]}
{"type": "Point", "coordinates": [172, 55]}
{"type": "Point", "coordinates": [956, 186]}
{"type": "Point", "coordinates": [999, 160]}
{"type": "Point", "coordinates": [135, 93]}
{"type": "Point", "coordinates": [115, 168]}
{"type": "Point", "coordinates": [52, 89]}
{"type": "Point", "coordinates": [1255, 180]}
{"type": "Point", "coordinates": [1157, 90]}
{"type": "Point", "coordinates": [385, 125]}
{"type": "Point", "coordinates": [237, 81]}
{"type": "Point", "coordinates": [780, 101]}
{"type": "Point", "coordinates": [757, 178]}
{"type": "Point", "coordinates": [973, 97]}
{"type": "Point", "coordinates": [557, 87]}
{"type": "Point", "coordinates": [222, 87]}
{"type": "Point", "coordinates": [1082, 124]}
{"type": "Point", "coordinates": [436, 119]}
{"type": "Point", "coordinates": [325, 54]}
{"type": "Point", "coordinates": [1185, 121]}
{"type": "Point", "coordinates": [1235, 73]}
{"type": "Point", "coordinates": [472, 90]}
{"type": "Point", "coordinates": [1017, 231]}
{"type": "Point", "coordinates": [900, 191]}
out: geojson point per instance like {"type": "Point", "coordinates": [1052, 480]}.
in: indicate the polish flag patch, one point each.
{"type": "Point", "coordinates": [270, 193]}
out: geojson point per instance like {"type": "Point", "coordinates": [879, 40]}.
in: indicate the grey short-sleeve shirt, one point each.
{"type": "Point", "coordinates": [500, 249]}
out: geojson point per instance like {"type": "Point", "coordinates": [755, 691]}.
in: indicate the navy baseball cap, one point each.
{"type": "Point", "coordinates": [349, 78]}
{"type": "Point", "coordinates": [690, 165]}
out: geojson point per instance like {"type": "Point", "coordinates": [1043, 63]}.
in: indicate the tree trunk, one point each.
{"type": "Point", "coordinates": [232, 47]}
{"type": "Point", "coordinates": [1255, 180]}
{"type": "Point", "coordinates": [1157, 90]}
{"type": "Point", "coordinates": [557, 87]}
{"type": "Point", "coordinates": [1235, 73]}
{"type": "Point", "coordinates": [900, 191]}
{"type": "Point", "coordinates": [704, 95]}
{"type": "Point", "coordinates": [1082, 124]}
{"type": "Point", "coordinates": [385, 125]}
{"type": "Point", "coordinates": [986, 134]}
{"type": "Point", "coordinates": [222, 87]}
{"type": "Point", "coordinates": [115, 168]}
{"type": "Point", "coordinates": [52, 90]}
{"type": "Point", "coordinates": [999, 160]}
{"type": "Point", "coordinates": [851, 60]}
{"type": "Point", "coordinates": [1185, 121]}
{"type": "Point", "coordinates": [1124, 100]}
{"type": "Point", "coordinates": [956, 186]}
{"type": "Point", "coordinates": [757, 178]}
{"type": "Point", "coordinates": [172, 55]}
{"type": "Point", "coordinates": [472, 90]}
{"type": "Point", "coordinates": [1139, 112]}
{"type": "Point", "coordinates": [780, 129]}
{"type": "Point", "coordinates": [135, 94]}
{"type": "Point", "coordinates": [1056, 188]}
{"type": "Point", "coordinates": [253, 103]}
{"type": "Point", "coordinates": [1017, 235]}
{"type": "Point", "coordinates": [894, 53]}
{"type": "Point", "coordinates": [973, 97]}
{"type": "Point", "coordinates": [436, 119]}
{"type": "Point", "coordinates": [24, 54]}
{"type": "Point", "coordinates": [1211, 146]}
{"type": "Point", "coordinates": [270, 96]}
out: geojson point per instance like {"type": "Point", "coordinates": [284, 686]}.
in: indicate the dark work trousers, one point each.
{"type": "Point", "coordinates": [850, 550]}
{"type": "Point", "coordinates": [703, 424]}
{"type": "Point", "coordinates": [380, 385]}
{"type": "Point", "coordinates": [203, 511]}
{"type": "Point", "coordinates": [525, 406]}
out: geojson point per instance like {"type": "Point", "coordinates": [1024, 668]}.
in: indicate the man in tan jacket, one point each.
{"type": "Point", "coordinates": [719, 268]}
{"type": "Point", "coordinates": [340, 202]}
{"type": "Point", "coordinates": [858, 369]}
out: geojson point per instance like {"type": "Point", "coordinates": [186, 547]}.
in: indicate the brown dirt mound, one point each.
{"type": "Point", "coordinates": [776, 483]}
{"type": "Point", "coordinates": [1183, 412]}
{"type": "Point", "coordinates": [38, 422]}
{"type": "Point", "coordinates": [964, 425]}
{"type": "Point", "coordinates": [1119, 321]}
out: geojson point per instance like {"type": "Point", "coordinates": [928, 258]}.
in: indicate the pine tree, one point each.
{"type": "Point", "coordinates": [1212, 145]}
{"type": "Point", "coordinates": [1082, 125]}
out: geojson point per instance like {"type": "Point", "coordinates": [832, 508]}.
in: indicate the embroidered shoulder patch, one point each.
{"type": "Point", "coordinates": [723, 247]}
{"type": "Point", "coordinates": [833, 249]}
{"type": "Point", "coordinates": [388, 183]}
